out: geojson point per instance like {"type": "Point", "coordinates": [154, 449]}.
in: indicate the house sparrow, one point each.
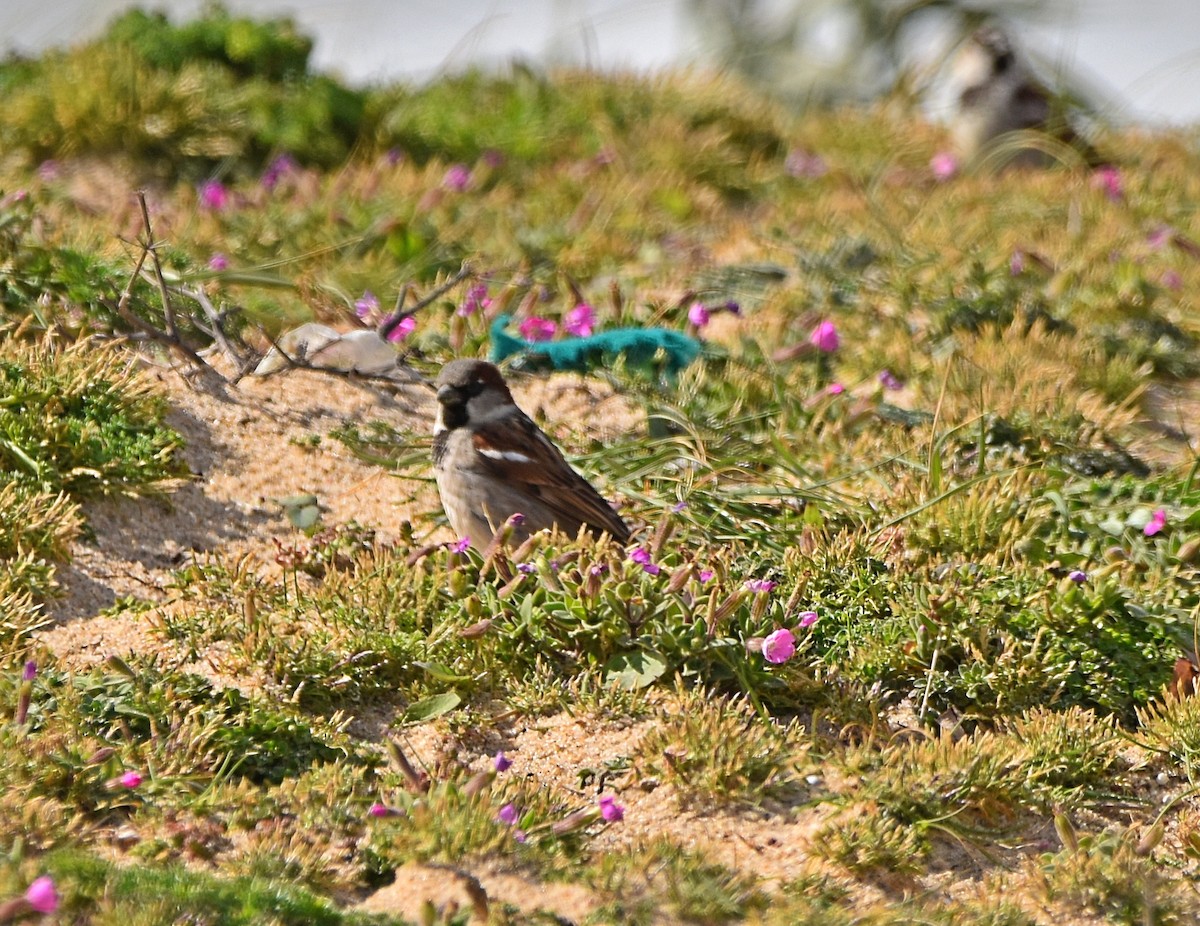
{"type": "Point", "coordinates": [492, 461]}
{"type": "Point", "coordinates": [997, 95]}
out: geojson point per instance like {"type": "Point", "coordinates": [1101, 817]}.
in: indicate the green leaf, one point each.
{"type": "Point", "coordinates": [630, 671]}
{"type": "Point", "coordinates": [429, 708]}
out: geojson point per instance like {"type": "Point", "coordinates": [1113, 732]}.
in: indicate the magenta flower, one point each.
{"type": "Point", "coordinates": [807, 619]}
{"type": "Point", "coordinates": [610, 810]}
{"type": "Point", "coordinates": [704, 575]}
{"type": "Point", "coordinates": [1157, 522]}
{"type": "Point", "coordinates": [580, 321]}
{"type": "Point", "coordinates": [698, 314]}
{"type": "Point", "coordinates": [49, 170]}
{"type": "Point", "coordinates": [678, 507]}
{"type": "Point", "coordinates": [526, 569]}
{"type": "Point", "coordinates": [944, 165]}
{"type": "Point", "coordinates": [461, 545]}
{"type": "Point", "coordinates": [1078, 576]}
{"type": "Point", "coordinates": [1159, 236]}
{"type": "Point", "coordinates": [213, 195]}
{"type": "Point", "coordinates": [393, 156]}
{"type": "Point", "coordinates": [535, 328]}
{"type": "Point", "coordinates": [825, 337]}
{"type": "Point", "coordinates": [641, 556]}
{"type": "Point", "coordinates": [366, 305]}
{"type": "Point", "coordinates": [378, 810]}
{"type": "Point", "coordinates": [801, 163]}
{"type": "Point", "coordinates": [760, 586]}
{"type": "Point", "coordinates": [779, 646]}
{"type": "Point", "coordinates": [835, 389]}
{"type": "Point", "coordinates": [41, 895]}
{"type": "Point", "coordinates": [520, 835]}
{"type": "Point", "coordinates": [501, 762]}
{"type": "Point", "coordinates": [218, 262]}
{"type": "Point", "coordinates": [278, 169]}
{"type": "Point", "coordinates": [508, 815]}
{"type": "Point", "coordinates": [403, 329]}
{"type": "Point", "coordinates": [29, 673]}
{"type": "Point", "coordinates": [130, 779]}
{"type": "Point", "coordinates": [476, 299]}
{"type": "Point", "coordinates": [889, 381]}
{"type": "Point", "coordinates": [1172, 280]}
{"type": "Point", "coordinates": [492, 158]}
{"type": "Point", "coordinates": [458, 178]}
{"type": "Point", "coordinates": [733, 307]}
{"type": "Point", "coordinates": [1016, 263]}
{"type": "Point", "coordinates": [1108, 179]}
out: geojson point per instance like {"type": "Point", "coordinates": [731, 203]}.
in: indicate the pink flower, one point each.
{"type": "Point", "coordinates": [1157, 522]}
{"type": "Point", "coordinates": [476, 299]}
{"type": "Point", "coordinates": [393, 156]}
{"type": "Point", "coordinates": [457, 178]}
{"type": "Point", "coordinates": [278, 169]}
{"type": "Point", "coordinates": [213, 195]}
{"type": "Point", "coordinates": [366, 305]}
{"type": "Point", "coordinates": [1172, 280]}
{"type": "Point", "coordinates": [461, 545]}
{"type": "Point", "coordinates": [808, 618]}
{"type": "Point", "coordinates": [825, 337]}
{"type": "Point", "coordinates": [520, 835]}
{"type": "Point", "coordinates": [835, 389]}
{"type": "Point", "coordinates": [1108, 179]}
{"type": "Point", "coordinates": [760, 586]}
{"type": "Point", "coordinates": [403, 329]}
{"type": "Point", "coordinates": [218, 262]}
{"type": "Point", "coordinates": [501, 762]}
{"type": "Point", "coordinates": [1078, 576]}
{"type": "Point", "coordinates": [49, 170]}
{"type": "Point", "coordinates": [130, 779]}
{"type": "Point", "coordinates": [944, 165]}
{"type": "Point", "coordinates": [378, 810]}
{"type": "Point", "coordinates": [1159, 236]}
{"type": "Point", "coordinates": [508, 815]}
{"type": "Point", "coordinates": [535, 328]}
{"type": "Point", "coordinates": [1016, 263]}
{"type": "Point", "coordinates": [698, 315]}
{"type": "Point", "coordinates": [492, 158]}
{"type": "Point", "coordinates": [29, 673]}
{"type": "Point", "coordinates": [610, 810]}
{"type": "Point", "coordinates": [889, 381]}
{"type": "Point", "coordinates": [42, 896]}
{"type": "Point", "coordinates": [704, 575]}
{"type": "Point", "coordinates": [580, 321]}
{"type": "Point", "coordinates": [641, 556]}
{"type": "Point", "coordinates": [779, 646]}
{"type": "Point", "coordinates": [801, 163]}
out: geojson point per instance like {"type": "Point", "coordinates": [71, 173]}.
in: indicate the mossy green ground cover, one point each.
{"type": "Point", "coordinates": [986, 494]}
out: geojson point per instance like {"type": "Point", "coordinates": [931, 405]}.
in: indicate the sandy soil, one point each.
{"type": "Point", "coordinates": [267, 439]}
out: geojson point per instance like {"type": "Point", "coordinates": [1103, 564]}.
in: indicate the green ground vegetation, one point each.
{"type": "Point", "coordinates": [965, 492]}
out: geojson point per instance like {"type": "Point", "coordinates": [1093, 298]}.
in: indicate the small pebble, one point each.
{"type": "Point", "coordinates": [813, 780]}
{"type": "Point", "coordinates": [1163, 778]}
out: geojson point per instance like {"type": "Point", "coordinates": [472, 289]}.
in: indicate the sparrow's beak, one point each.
{"type": "Point", "coordinates": [448, 395]}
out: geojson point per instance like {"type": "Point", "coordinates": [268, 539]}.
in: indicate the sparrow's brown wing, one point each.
{"type": "Point", "coordinates": [514, 449]}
